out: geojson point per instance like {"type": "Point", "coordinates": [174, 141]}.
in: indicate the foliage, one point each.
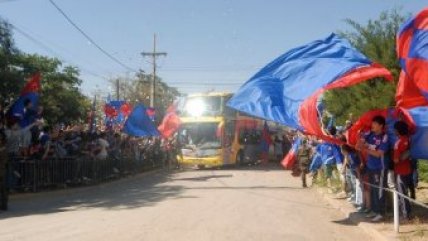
{"type": "Point", "coordinates": [60, 95]}
{"type": "Point", "coordinates": [10, 76]}
{"type": "Point", "coordinates": [423, 170]}
{"type": "Point", "coordinates": [376, 40]}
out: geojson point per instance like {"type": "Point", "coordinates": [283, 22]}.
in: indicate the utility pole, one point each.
{"type": "Point", "coordinates": [117, 89]}
{"type": "Point", "coordinates": [153, 55]}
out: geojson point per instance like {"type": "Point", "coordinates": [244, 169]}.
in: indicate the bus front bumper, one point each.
{"type": "Point", "coordinates": [207, 162]}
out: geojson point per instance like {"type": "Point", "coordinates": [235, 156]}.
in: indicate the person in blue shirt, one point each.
{"type": "Point", "coordinates": [375, 145]}
{"type": "Point", "coordinates": [352, 169]}
{"type": "Point", "coordinates": [330, 156]}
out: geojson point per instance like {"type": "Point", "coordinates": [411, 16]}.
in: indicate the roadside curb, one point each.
{"type": "Point", "coordinates": [347, 209]}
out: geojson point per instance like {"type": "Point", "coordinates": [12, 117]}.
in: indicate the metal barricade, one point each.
{"type": "Point", "coordinates": [35, 175]}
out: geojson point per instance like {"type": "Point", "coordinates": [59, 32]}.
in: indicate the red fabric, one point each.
{"type": "Point", "coordinates": [408, 94]}
{"type": "Point", "coordinates": [170, 124]}
{"type": "Point", "coordinates": [403, 43]}
{"type": "Point", "coordinates": [151, 112]}
{"type": "Point", "coordinates": [33, 84]}
{"type": "Point", "coordinates": [289, 160]}
{"type": "Point", "coordinates": [414, 85]}
{"type": "Point", "coordinates": [126, 109]}
{"type": "Point", "coordinates": [417, 70]}
{"type": "Point", "coordinates": [308, 114]}
{"type": "Point", "coordinates": [362, 125]}
{"type": "Point", "coordinates": [110, 111]}
{"type": "Point", "coordinates": [421, 21]}
{"type": "Point", "coordinates": [403, 167]}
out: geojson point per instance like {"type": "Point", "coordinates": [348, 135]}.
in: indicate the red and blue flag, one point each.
{"type": "Point", "coordinates": [29, 92]}
{"type": "Point", "coordinates": [117, 111]}
{"type": "Point", "coordinates": [412, 51]}
{"type": "Point", "coordinates": [287, 90]}
{"type": "Point", "coordinates": [291, 157]}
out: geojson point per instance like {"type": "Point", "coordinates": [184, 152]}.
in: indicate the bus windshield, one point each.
{"type": "Point", "coordinates": [203, 106]}
{"type": "Point", "coordinates": [200, 135]}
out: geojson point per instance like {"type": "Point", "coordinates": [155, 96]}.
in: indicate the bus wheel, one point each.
{"type": "Point", "coordinates": [239, 159]}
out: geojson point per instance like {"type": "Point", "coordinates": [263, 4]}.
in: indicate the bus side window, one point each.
{"type": "Point", "coordinates": [229, 133]}
{"type": "Point", "coordinates": [229, 112]}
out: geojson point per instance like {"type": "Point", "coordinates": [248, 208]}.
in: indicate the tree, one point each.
{"type": "Point", "coordinates": [137, 90]}
{"type": "Point", "coordinates": [60, 95]}
{"type": "Point", "coordinates": [376, 40]}
{"type": "Point", "coordinates": [10, 75]}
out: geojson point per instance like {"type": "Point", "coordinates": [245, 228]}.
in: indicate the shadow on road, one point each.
{"type": "Point", "coordinates": [128, 193]}
{"type": "Point", "coordinates": [242, 188]}
{"type": "Point", "coordinates": [202, 178]}
{"type": "Point", "coordinates": [253, 167]}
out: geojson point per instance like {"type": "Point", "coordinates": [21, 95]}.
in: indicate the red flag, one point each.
{"type": "Point", "coordinates": [110, 111]}
{"type": "Point", "coordinates": [126, 109]}
{"type": "Point", "coordinates": [291, 157]}
{"type": "Point", "coordinates": [170, 124]}
{"type": "Point", "coordinates": [33, 84]}
{"type": "Point", "coordinates": [408, 94]}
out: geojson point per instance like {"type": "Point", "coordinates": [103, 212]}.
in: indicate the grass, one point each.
{"type": "Point", "coordinates": [423, 170]}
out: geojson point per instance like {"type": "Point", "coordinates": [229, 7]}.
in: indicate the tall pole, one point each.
{"type": "Point", "coordinates": [154, 56]}
{"type": "Point", "coordinates": [153, 85]}
{"type": "Point", "coordinates": [117, 89]}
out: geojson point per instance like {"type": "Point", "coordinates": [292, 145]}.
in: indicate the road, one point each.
{"type": "Point", "coordinates": [246, 204]}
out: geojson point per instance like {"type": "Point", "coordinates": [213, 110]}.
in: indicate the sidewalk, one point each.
{"type": "Point", "coordinates": [416, 230]}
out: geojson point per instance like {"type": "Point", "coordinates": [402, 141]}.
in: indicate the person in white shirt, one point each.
{"type": "Point", "coordinates": [103, 145]}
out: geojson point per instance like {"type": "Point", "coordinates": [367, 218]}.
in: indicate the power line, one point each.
{"type": "Point", "coordinates": [46, 42]}
{"type": "Point", "coordinates": [5, 1]}
{"type": "Point", "coordinates": [50, 50]}
{"type": "Point", "coordinates": [90, 39]}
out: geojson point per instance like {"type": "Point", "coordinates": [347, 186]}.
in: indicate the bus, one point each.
{"type": "Point", "coordinates": [214, 135]}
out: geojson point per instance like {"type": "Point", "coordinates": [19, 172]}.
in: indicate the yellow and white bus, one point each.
{"type": "Point", "coordinates": [213, 135]}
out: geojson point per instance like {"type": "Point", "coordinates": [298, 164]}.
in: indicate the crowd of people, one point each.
{"type": "Point", "coordinates": [365, 170]}
{"type": "Point", "coordinates": [29, 137]}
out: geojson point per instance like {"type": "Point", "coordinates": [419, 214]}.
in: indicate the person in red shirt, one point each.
{"type": "Point", "coordinates": [402, 165]}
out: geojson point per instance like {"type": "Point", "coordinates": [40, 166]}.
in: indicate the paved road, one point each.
{"type": "Point", "coordinates": [248, 204]}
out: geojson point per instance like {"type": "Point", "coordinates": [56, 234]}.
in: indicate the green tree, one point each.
{"type": "Point", "coordinates": [60, 95]}
{"type": "Point", "coordinates": [137, 90]}
{"type": "Point", "coordinates": [376, 39]}
{"type": "Point", "coordinates": [11, 76]}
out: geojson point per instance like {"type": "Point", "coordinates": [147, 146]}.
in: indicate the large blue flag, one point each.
{"type": "Point", "coordinates": [139, 123]}
{"type": "Point", "coordinates": [278, 90]}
